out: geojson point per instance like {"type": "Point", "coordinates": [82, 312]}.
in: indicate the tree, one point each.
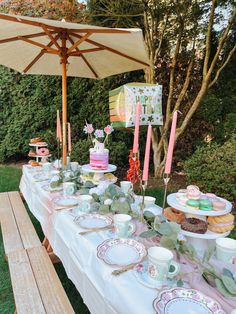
{"type": "Point", "coordinates": [189, 44]}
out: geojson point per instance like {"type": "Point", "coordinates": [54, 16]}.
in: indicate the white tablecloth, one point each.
{"type": "Point", "coordinates": [102, 292]}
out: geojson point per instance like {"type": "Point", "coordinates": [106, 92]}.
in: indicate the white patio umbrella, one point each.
{"type": "Point", "coordinates": [48, 47]}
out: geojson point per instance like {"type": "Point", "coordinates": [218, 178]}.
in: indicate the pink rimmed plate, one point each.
{"type": "Point", "coordinates": [121, 251]}
{"type": "Point", "coordinates": [187, 301]}
{"type": "Point", "coordinates": [91, 221]}
{"type": "Point", "coordinates": [65, 201]}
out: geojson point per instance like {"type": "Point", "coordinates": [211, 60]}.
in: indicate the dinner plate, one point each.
{"type": "Point", "coordinates": [141, 274]}
{"type": "Point", "coordinates": [48, 188]}
{"type": "Point", "coordinates": [91, 221]}
{"type": "Point", "coordinates": [187, 301]}
{"type": "Point", "coordinates": [41, 177]}
{"type": "Point", "coordinates": [121, 251]}
{"type": "Point", "coordinates": [65, 201]}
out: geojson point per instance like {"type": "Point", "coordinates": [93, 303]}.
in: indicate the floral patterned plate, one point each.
{"type": "Point", "coordinates": [39, 177]}
{"type": "Point", "coordinates": [187, 301]}
{"type": "Point", "coordinates": [121, 251]}
{"type": "Point", "coordinates": [65, 201]}
{"type": "Point", "coordinates": [91, 221]}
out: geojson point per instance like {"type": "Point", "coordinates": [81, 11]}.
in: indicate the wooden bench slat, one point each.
{"type": "Point", "coordinates": [26, 293]}
{"type": "Point", "coordinates": [11, 236]}
{"type": "Point", "coordinates": [53, 295]}
{"type": "Point", "coordinates": [28, 234]}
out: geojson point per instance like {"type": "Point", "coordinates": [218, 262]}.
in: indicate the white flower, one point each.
{"type": "Point", "coordinates": [108, 201]}
{"type": "Point", "coordinates": [99, 134]}
{"type": "Point", "coordinates": [181, 237]}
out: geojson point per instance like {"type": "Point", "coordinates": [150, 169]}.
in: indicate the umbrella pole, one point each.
{"type": "Point", "coordinates": [64, 111]}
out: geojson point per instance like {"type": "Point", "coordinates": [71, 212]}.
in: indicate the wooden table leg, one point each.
{"type": "Point", "coordinates": [50, 252]}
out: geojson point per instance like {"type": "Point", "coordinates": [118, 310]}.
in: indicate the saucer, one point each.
{"type": "Point", "coordinates": [141, 274]}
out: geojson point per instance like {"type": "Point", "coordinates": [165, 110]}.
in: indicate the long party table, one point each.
{"type": "Point", "coordinates": [102, 292]}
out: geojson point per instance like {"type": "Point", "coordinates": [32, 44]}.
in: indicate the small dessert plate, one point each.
{"type": "Point", "coordinates": [93, 221]}
{"type": "Point", "coordinates": [39, 177]}
{"type": "Point", "coordinates": [65, 201]}
{"type": "Point", "coordinates": [121, 251]}
{"type": "Point", "coordinates": [187, 301]}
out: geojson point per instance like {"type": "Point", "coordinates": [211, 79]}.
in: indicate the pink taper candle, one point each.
{"type": "Point", "coordinates": [69, 137]}
{"type": "Point", "coordinates": [171, 144]}
{"type": "Point", "coordinates": [59, 135]}
{"type": "Point", "coordinates": [147, 153]}
{"type": "Point", "coordinates": [136, 129]}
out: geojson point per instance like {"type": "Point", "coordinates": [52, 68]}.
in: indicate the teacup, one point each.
{"type": "Point", "coordinates": [74, 165]}
{"type": "Point", "coordinates": [123, 226]}
{"type": "Point", "coordinates": [85, 203]}
{"type": "Point", "coordinates": [126, 186]}
{"type": "Point", "coordinates": [69, 188]}
{"type": "Point", "coordinates": [161, 265]}
{"type": "Point", "coordinates": [225, 249]}
{"type": "Point", "coordinates": [149, 200]}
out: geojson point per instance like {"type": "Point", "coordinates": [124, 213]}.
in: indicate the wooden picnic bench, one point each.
{"type": "Point", "coordinates": [36, 286]}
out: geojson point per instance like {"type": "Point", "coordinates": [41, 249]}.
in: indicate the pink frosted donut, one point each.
{"type": "Point", "coordinates": [43, 152]}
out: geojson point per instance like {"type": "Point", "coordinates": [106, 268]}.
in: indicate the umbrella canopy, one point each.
{"type": "Point", "coordinates": [41, 46]}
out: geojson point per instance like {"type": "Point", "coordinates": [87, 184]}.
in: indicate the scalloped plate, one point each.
{"type": "Point", "coordinates": [187, 301]}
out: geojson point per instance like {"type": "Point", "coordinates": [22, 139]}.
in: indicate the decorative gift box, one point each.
{"type": "Point", "coordinates": [123, 100]}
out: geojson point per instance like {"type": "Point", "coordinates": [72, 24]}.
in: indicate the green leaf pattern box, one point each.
{"type": "Point", "coordinates": [123, 101]}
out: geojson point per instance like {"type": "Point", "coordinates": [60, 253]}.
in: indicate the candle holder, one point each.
{"type": "Point", "coordinates": [133, 173]}
{"type": "Point", "coordinates": [144, 187]}
{"type": "Point", "coordinates": [166, 180]}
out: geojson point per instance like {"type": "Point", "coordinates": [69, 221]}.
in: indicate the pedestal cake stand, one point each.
{"type": "Point", "coordinates": [98, 173]}
{"type": "Point", "coordinates": [200, 241]}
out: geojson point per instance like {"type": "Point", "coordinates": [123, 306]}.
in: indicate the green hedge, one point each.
{"type": "Point", "coordinates": [213, 168]}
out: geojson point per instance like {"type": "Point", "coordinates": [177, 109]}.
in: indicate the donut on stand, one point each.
{"type": "Point", "coordinates": [199, 230]}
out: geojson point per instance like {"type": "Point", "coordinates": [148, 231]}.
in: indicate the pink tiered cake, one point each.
{"type": "Point", "coordinates": [98, 159]}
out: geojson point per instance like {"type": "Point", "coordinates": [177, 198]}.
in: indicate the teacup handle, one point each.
{"type": "Point", "coordinates": [131, 229]}
{"type": "Point", "coordinates": [172, 274]}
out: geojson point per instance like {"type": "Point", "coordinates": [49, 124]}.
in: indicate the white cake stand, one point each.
{"type": "Point", "coordinates": [99, 173]}
{"type": "Point", "coordinates": [200, 241]}
{"type": "Point", "coordinates": [39, 157]}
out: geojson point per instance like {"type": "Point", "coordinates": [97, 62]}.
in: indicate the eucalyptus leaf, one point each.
{"type": "Point", "coordinates": [104, 209]}
{"type": "Point", "coordinates": [149, 215]}
{"type": "Point", "coordinates": [88, 184]}
{"type": "Point", "coordinates": [148, 234]}
{"type": "Point", "coordinates": [95, 197]}
{"type": "Point", "coordinates": [208, 253]}
{"type": "Point", "coordinates": [175, 227]}
{"type": "Point", "coordinates": [229, 284]}
{"type": "Point", "coordinates": [84, 191]}
{"type": "Point", "coordinates": [167, 242]}
{"type": "Point", "coordinates": [115, 206]}
{"type": "Point", "coordinates": [165, 229]}
{"type": "Point", "coordinates": [222, 289]}
{"type": "Point", "coordinates": [227, 272]}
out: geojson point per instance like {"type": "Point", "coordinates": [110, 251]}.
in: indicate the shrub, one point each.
{"type": "Point", "coordinates": [213, 168]}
